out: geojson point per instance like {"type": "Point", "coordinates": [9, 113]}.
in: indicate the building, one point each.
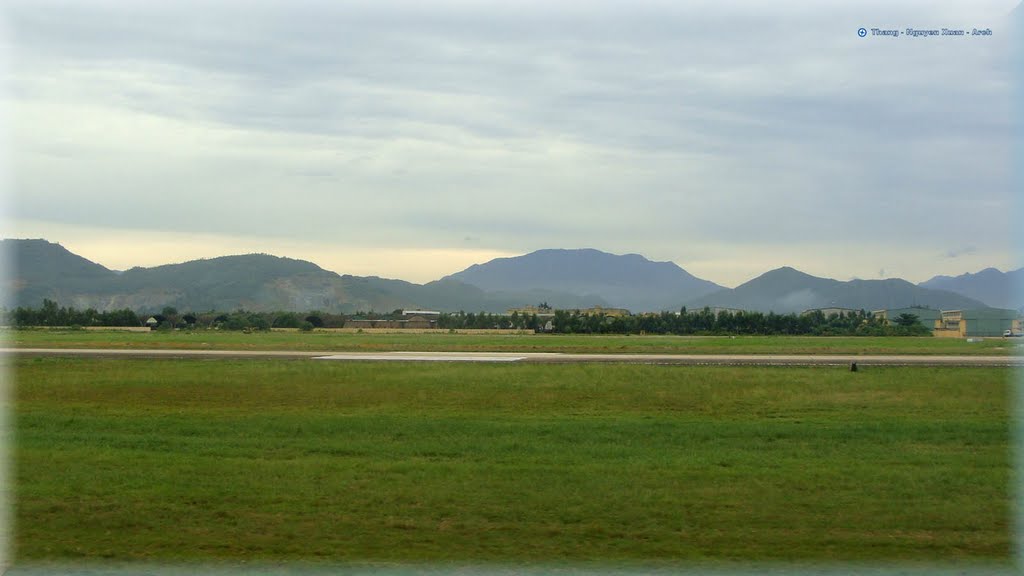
{"type": "Point", "coordinates": [927, 316]}
{"type": "Point", "coordinates": [539, 311]}
{"type": "Point", "coordinates": [977, 322]}
{"type": "Point", "coordinates": [600, 311]}
{"type": "Point", "coordinates": [418, 319]}
{"type": "Point", "coordinates": [548, 312]}
{"type": "Point", "coordinates": [424, 313]}
{"type": "Point", "coordinates": [719, 310]}
{"type": "Point", "coordinates": [714, 310]}
{"type": "Point", "coordinates": [831, 311]}
{"type": "Point", "coordinates": [419, 322]}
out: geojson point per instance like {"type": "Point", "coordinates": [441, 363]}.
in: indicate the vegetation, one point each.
{"type": "Point", "coordinates": [689, 322]}
{"type": "Point", "coordinates": [50, 314]}
{"type": "Point", "coordinates": [442, 340]}
{"type": "Point", "coordinates": [283, 460]}
{"type": "Point", "coordinates": [701, 322]}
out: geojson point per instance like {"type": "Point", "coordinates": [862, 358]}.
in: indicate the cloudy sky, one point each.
{"type": "Point", "coordinates": [411, 139]}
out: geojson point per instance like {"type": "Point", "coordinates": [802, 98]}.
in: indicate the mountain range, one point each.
{"type": "Point", "coordinates": [996, 288]}
{"type": "Point", "coordinates": [787, 290]}
{"type": "Point", "coordinates": [563, 278]}
{"type": "Point", "coordinates": [259, 282]}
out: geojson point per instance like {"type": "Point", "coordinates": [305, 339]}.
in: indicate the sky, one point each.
{"type": "Point", "coordinates": [412, 139]}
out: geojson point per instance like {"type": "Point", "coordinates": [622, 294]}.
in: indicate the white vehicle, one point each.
{"type": "Point", "coordinates": [1012, 334]}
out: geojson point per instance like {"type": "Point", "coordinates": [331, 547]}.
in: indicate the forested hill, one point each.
{"type": "Point", "coordinates": [44, 270]}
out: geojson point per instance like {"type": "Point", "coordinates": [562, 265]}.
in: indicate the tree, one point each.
{"type": "Point", "coordinates": [286, 320]}
{"type": "Point", "coordinates": [907, 320]}
{"type": "Point", "coordinates": [258, 322]}
{"type": "Point", "coordinates": [48, 315]}
{"type": "Point", "coordinates": [169, 315]}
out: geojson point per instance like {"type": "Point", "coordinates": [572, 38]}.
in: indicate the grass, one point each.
{"type": "Point", "coordinates": [171, 460]}
{"type": "Point", "coordinates": [334, 341]}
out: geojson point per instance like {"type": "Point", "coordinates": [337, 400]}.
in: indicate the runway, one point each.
{"type": "Point", "coordinates": [537, 357]}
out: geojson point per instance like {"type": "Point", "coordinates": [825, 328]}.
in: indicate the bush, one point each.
{"type": "Point", "coordinates": [287, 320]}
{"type": "Point", "coordinates": [306, 326]}
{"type": "Point", "coordinates": [259, 323]}
{"type": "Point", "coordinates": [236, 322]}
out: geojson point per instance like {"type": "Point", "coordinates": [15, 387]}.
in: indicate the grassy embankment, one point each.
{"type": "Point", "coordinates": [283, 460]}
{"type": "Point", "coordinates": [334, 341]}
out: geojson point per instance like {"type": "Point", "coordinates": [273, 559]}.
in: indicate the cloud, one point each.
{"type": "Point", "coordinates": [634, 127]}
{"type": "Point", "coordinates": [964, 250]}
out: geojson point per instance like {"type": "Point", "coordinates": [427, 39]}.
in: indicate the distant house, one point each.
{"type": "Point", "coordinates": [152, 322]}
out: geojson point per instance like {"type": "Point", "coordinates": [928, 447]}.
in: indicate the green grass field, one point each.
{"type": "Point", "coordinates": [334, 341]}
{"type": "Point", "coordinates": [173, 460]}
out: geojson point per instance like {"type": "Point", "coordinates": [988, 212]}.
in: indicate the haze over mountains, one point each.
{"type": "Point", "coordinates": [562, 278]}
{"type": "Point", "coordinates": [787, 290]}
{"type": "Point", "coordinates": [998, 289]}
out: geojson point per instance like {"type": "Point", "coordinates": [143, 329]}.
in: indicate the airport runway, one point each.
{"type": "Point", "coordinates": [539, 357]}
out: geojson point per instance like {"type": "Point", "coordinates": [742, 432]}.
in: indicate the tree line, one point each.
{"type": "Point", "coordinates": [684, 322]}
{"type": "Point", "coordinates": [698, 322]}
{"type": "Point", "coordinates": [52, 314]}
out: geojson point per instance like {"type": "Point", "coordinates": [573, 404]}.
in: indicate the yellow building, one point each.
{"type": "Point", "coordinates": [532, 310]}
{"type": "Point", "coordinates": [980, 322]}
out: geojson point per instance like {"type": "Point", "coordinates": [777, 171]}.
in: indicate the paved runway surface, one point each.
{"type": "Point", "coordinates": [539, 357]}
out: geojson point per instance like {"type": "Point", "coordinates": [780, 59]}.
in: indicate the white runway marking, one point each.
{"type": "Point", "coordinates": [400, 357]}
{"type": "Point", "coordinates": [540, 357]}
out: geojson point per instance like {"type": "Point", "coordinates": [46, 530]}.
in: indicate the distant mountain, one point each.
{"type": "Point", "coordinates": [629, 281]}
{"type": "Point", "coordinates": [251, 281]}
{"type": "Point", "coordinates": [257, 282]}
{"type": "Point", "coordinates": [38, 269]}
{"type": "Point", "coordinates": [991, 286]}
{"type": "Point", "coordinates": [787, 290]}
{"type": "Point", "coordinates": [564, 278]}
